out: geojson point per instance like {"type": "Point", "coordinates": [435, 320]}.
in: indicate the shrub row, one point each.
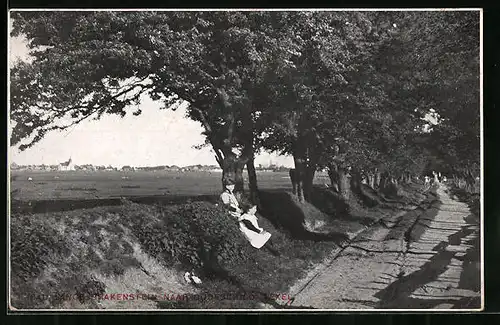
{"type": "Point", "coordinates": [193, 235]}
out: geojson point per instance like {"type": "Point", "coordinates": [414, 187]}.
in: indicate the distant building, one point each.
{"type": "Point", "coordinates": [67, 165]}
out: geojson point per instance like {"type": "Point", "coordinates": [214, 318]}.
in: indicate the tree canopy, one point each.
{"type": "Point", "coordinates": [344, 88]}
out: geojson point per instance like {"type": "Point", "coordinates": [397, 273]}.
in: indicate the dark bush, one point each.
{"type": "Point", "coordinates": [31, 243]}
{"type": "Point", "coordinates": [211, 231]}
{"type": "Point", "coordinates": [89, 289]}
{"type": "Point", "coordinates": [195, 235]}
{"type": "Point", "coordinates": [35, 247]}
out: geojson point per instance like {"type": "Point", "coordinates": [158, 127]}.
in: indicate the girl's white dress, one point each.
{"type": "Point", "coordinates": [257, 240]}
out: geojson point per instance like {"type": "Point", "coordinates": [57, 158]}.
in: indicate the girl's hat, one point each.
{"type": "Point", "coordinates": [228, 182]}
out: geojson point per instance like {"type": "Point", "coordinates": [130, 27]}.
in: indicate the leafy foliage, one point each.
{"type": "Point", "coordinates": [193, 235]}
{"type": "Point", "coordinates": [360, 82]}
{"type": "Point", "coordinates": [30, 245]}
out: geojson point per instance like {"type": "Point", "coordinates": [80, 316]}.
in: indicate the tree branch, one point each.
{"type": "Point", "coordinates": [204, 121]}
{"type": "Point", "coordinates": [61, 113]}
{"type": "Point", "coordinates": [99, 109]}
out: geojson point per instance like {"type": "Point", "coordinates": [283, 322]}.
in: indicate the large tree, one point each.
{"type": "Point", "coordinates": [313, 93]}
{"type": "Point", "coordinates": [361, 109]}
{"type": "Point", "coordinates": [335, 100]}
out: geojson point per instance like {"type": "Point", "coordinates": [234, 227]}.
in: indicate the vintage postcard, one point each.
{"type": "Point", "coordinates": [262, 160]}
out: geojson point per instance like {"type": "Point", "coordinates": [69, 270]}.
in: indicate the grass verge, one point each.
{"type": "Point", "coordinates": [75, 258]}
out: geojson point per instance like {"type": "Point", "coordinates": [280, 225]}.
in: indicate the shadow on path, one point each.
{"type": "Point", "coordinates": [397, 294]}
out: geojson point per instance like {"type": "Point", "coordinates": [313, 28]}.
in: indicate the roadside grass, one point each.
{"type": "Point", "coordinates": [136, 247]}
{"type": "Point", "coordinates": [65, 260]}
{"type": "Point", "coordinates": [143, 248]}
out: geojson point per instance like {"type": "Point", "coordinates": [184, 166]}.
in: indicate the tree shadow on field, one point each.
{"type": "Point", "coordinates": [283, 212]}
{"type": "Point", "coordinates": [331, 204]}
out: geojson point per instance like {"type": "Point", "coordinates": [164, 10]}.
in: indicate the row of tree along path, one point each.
{"type": "Point", "coordinates": [352, 92]}
{"type": "Point", "coordinates": [428, 259]}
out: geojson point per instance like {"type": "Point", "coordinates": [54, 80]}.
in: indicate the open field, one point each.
{"type": "Point", "coordinates": [109, 184]}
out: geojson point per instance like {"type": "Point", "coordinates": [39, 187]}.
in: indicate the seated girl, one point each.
{"type": "Point", "coordinates": [229, 199]}
{"type": "Point", "coordinates": [247, 219]}
{"type": "Point", "coordinates": [250, 228]}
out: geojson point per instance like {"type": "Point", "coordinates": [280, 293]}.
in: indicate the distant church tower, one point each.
{"type": "Point", "coordinates": [67, 165]}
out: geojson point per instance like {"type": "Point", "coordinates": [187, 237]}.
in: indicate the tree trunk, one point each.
{"type": "Point", "coordinates": [300, 160]}
{"type": "Point", "coordinates": [377, 180]}
{"type": "Point", "coordinates": [355, 181]}
{"type": "Point", "coordinates": [334, 177]}
{"type": "Point", "coordinates": [408, 178]}
{"type": "Point", "coordinates": [252, 182]}
{"type": "Point", "coordinates": [344, 185]}
{"type": "Point", "coordinates": [299, 176]}
{"type": "Point", "coordinates": [371, 180]}
{"type": "Point", "coordinates": [470, 181]}
{"type": "Point", "coordinates": [308, 182]}
{"type": "Point", "coordinates": [383, 181]}
{"type": "Point", "coordinates": [232, 169]}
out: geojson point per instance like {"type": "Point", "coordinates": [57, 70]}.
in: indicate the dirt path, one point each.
{"type": "Point", "coordinates": [419, 261]}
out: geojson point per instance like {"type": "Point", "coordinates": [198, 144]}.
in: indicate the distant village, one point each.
{"type": "Point", "coordinates": [70, 166]}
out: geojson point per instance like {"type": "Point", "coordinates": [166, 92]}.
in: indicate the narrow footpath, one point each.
{"type": "Point", "coordinates": [414, 261]}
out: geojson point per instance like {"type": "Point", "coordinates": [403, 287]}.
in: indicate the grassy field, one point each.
{"type": "Point", "coordinates": [109, 184]}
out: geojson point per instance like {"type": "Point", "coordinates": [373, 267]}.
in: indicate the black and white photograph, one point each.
{"type": "Point", "coordinates": [245, 160]}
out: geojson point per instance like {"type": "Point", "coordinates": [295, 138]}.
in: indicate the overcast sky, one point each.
{"type": "Point", "coordinates": [156, 137]}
